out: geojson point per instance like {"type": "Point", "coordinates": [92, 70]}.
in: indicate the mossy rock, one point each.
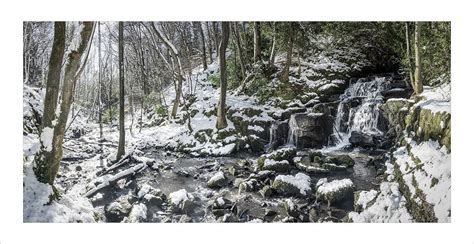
{"type": "Point", "coordinates": [286, 153]}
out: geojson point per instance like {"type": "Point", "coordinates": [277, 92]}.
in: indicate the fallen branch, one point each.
{"type": "Point", "coordinates": [115, 178]}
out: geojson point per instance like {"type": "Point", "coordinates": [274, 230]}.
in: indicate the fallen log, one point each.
{"type": "Point", "coordinates": [113, 179]}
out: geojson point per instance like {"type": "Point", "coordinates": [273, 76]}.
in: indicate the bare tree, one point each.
{"type": "Point", "coordinates": [408, 53]}
{"type": "Point", "coordinates": [273, 50]}
{"type": "Point", "coordinates": [418, 84]}
{"type": "Point", "coordinates": [121, 147]}
{"type": "Point", "coordinates": [289, 53]}
{"type": "Point", "coordinates": [203, 45]}
{"type": "Point", "coordinates": [47, 160]}
{"type": "Point", "coordinates": [221, 107]}
{"type": "Point", "coordinates": [256, 42]}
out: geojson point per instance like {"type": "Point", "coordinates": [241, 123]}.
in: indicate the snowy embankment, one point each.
{"type": "Point", "coordinates": [418, 186]}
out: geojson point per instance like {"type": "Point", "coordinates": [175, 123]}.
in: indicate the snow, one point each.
{"type": "Point", "coordinates": [220, 201]}
{"type": "Point", "coordinates": [137, 214]}
{"type": "Point", "coordinates": [334, 186]}
{"type": "Point", "coordinates": [365, 197]}
{"type": "Point", "coordinates": [71, 207]}
{"type": "Point", "coordinates": [270, 162]}
{"type": "Point", "coordinates": [435, 164]}
{"type": "Point", "coordinates": [47, 138]}
{"type": "Point", "coordinates": [436, 99]}
{"type": "Point", "coordinates": [216, 177]}
{"type": "Point", "coordinates": [327, 87]}
{"type": "Point", "coordinates": [388, 207]}
{"type": "Point", "coordinates": [300, 180]}
{"type": "Point", "coordinates": [179, 196]}
{"type": "Point", "coordinates": [144, 189]}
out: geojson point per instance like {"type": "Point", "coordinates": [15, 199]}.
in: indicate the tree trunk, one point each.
{"type": "Point", "coordinates": [100, 85]}
{"type": "Point", "coordinates": [256, 42]}
{"type": "Point", "coordinates": [203, 45]}
{"type": "Point", "coordinates": [418, 69]}
{"type": "Point", "coordinates": [216, 36]}
{"type": "Point", "coordinates": [221, 111]}
{"type": "Point", "coordinates": [272, 52]}
{"type": "Point", "coordinates": [289, 51]}
{"type": "Point", "coordinates": [121, 147]}
{"type": "Point", "coordinates": [239, 49]}
{"type": "Point", "coordinates": [47, 165]}
{"type": "Point", "coordinates": [410, 66]}
{"type": "Point", "coordinates": [174, 53]}
{"type": "Point", "coordinates": [209, 46]}
{"type": "Point", "coordinates": [44, 169]}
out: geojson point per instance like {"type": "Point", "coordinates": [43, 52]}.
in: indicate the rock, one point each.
{"type": "Point", "coordinates": [305, 164]}
{"type": "Point", "coordinates": [278, 134]}
{"type": "Point", "coordinates": [266, 191]}
{"type": "Point", "coordinates": [335, 190]}
{"type": "Point", "coordinates": [78, 168]}
{"type": "Point", "coordinates": [270, 215]}
{"type": "Point", "coordinates": [286, 153]}
{"type": "Point", "coordinates": [221, 206]}
{"type": "Point", "coordinates": [218, 180]}
{"type": "Point", "coordinates": [278, 166]}
{"type": "Point", "coordinates": [248, 186]}
{"type": "Point", "coordinates": [288, 185]}
{"type": "Point", "coordinates": [181, 202]}
{"type": "Point", "coordinates": [286, 114]}
{"type": "Point", "coordinates": [290, 208]}
{"type": "Point", "coordinates": [185, 219]}
{"type": "Point", "coordinates": [117, 210]}
{"type": "Point", "coordinates": [151, 196]}
{"type": "Point", "coordinates": [310, 130]}
{"type": "Point", "coordinates": [362, 140]}
{"type": "Point", "coordinates": [341, 160]}
{"type": "Point", "coordinates": [257, 144]}
{"type": "Point", "coordinates": [137, 214]}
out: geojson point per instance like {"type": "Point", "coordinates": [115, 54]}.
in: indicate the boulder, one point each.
{"type": "Point", "coordinates": [360, 139]}
{"type": "Point", "coordinates": [117, 210]}
{"type": "Point", "coordinates": [181, 202]}
{"type": "Point", "coordinates": [289, 185]}
{"type": "Point", "coordinates": [218, 180]}
{"type": "Point", "coordinates": [285, 153]}
{"type": "Point", "coordinates": [305, 164]}
{"type": "Point", "coordinates": [341, 160]}
{"type": "Point", "coordinates": [137, 214]}
{"type": "Point", "coordinates": [335, 190]}
{"type": "Point", "coordinates": [266, 191]}
{"type": "Point", "coordinates": [310, 130]}
{"type": "Point", "coordinates": [278, 166]}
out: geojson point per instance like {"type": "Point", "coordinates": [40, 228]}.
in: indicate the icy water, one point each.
{"type": "Point", "coordinates": [191, 173]}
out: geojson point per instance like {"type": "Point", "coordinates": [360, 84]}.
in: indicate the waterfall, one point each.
{"type": "Point", "coordinates": [292, 132]}
{"type": "Point", "coordinates": [362, 117]}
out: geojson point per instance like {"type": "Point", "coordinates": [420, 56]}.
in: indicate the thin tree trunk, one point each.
{"type": "Point", "coordinates": [221, 108]}
{"type": "Point", "coordinates": [100, 85]}
{"type": "Point", "coordinates": [418, 69]}
{"type": "Point", "coordinates": [216, 36]}
{"type": "Point", "coordinates": [272, 52]}
{"type": "Point", "coordinates": [289, 52]}
{"type": "Point", "coordinates": [203, 45]}
{"type": "Point", "coordinates": [44, 169]}
{"type": "Point", "coordinates": [209, 41]}
{"type": "Point", "coordinates": [121, 147]}
{"type": "Point", "coordinates": [239, 49]}
{"type": "Point", "coordinates": [410, 66]}
{"type": "Point", "coordinates": [256, 42]}
{"type": "Point", "coordinates": [175, 55]}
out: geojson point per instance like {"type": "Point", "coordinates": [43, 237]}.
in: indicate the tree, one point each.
{"type": "Point", "coordinates": [174, 53]}
{"type": "Point", "coordinates": [221, 108]}
{"type": "Point", "coordinates": [408, 55]}
{"type": "Point", "coordinates": [256, 42]}
{"type": "Point", "coordinates": [100, 84]}
{"type": "Point", "coordinates": [418, 83]}
{"type": "Point", "coordinates": [273, 50]}
{"type": "Point", "coordinates": [289, 53]}
{"type": "Point", "coordinates": [203, 46]}
{"type": "Point", "coordinates": [121, 147]}
{"type": "Point", "coordinates": [48, 158]}
{"type": "Point", "coordinates": [240, 52]}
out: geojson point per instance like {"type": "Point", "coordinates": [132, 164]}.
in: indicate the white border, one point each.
{"type": "Point", "coordinates": [12, 230]}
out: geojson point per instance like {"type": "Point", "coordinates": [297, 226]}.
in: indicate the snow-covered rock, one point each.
{"type": "Point", "coordinates": [289, 185]}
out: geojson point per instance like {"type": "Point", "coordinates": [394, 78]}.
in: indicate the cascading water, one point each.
{"type": "Point", "coordinates": [292, 132]}
{"type": "Point", "coordinates": [358, 109]}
